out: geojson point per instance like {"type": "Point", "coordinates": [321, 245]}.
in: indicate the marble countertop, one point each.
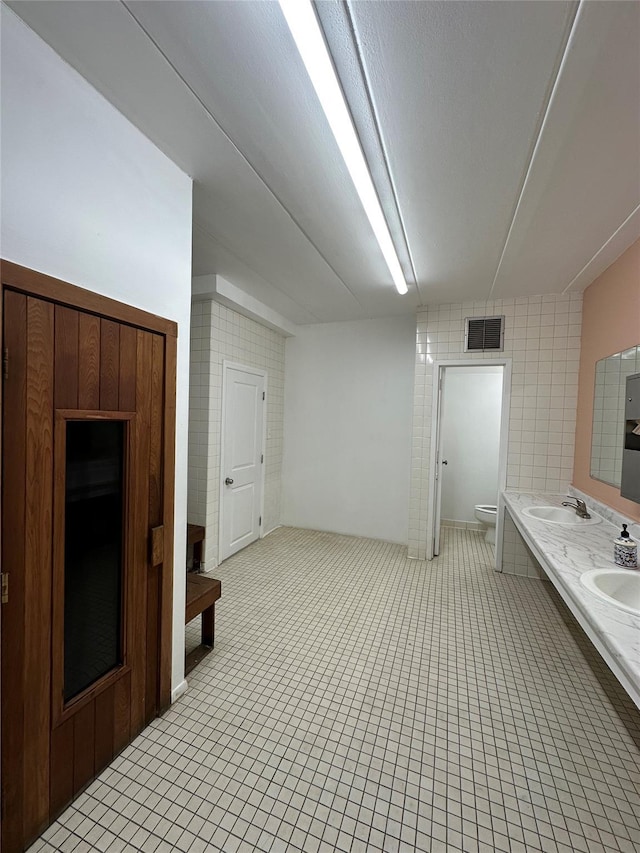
{"type": "Point", "coordinates": [565, 553]}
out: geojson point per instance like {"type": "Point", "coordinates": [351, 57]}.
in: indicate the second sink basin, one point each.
{"type": "Point", "coordinates": [618, 586]}
{"type": "Point", "coordinates": [559, 515]}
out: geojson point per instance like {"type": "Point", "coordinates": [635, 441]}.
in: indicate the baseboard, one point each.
{"type": "Point", "coordinates": [267, 532]}
{"type": "Point", "coordinates": [209, 565]}
{"type": "Point", "coordinates": [179, 691]}
{"type": "Point", "coordinates": [462, 525]}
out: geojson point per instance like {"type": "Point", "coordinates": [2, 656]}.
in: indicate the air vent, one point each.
{"type": "Point", "coordinates": [484, 334]}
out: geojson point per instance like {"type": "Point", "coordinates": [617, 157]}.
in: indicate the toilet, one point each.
{"type": "Point", "coordinates": [488, 515]}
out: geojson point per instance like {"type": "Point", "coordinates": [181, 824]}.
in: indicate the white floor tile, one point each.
{"type": "Point", "coordinates": [360, 701]}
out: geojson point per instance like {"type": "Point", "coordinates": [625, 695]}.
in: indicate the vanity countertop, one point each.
{"type": "Point", "coordinates": [565, 553]}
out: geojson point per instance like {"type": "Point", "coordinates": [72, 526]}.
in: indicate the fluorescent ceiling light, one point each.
{"type": "Point", "coordinates": [305, 29]}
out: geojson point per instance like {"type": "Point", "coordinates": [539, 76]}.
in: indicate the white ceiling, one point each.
{"type": "Point", "coordinates": [504, 139]}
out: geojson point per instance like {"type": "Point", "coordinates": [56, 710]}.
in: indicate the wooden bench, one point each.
{"type": "Point", "coordinates": [202, 594]}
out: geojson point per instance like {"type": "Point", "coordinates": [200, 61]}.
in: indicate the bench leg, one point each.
{"type": "Point", "coordinates": [208, 625]}
{"type": "Point", "coordinates": [197, 556]}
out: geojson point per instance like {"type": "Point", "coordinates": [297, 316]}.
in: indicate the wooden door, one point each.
{"type": "Point", "coordinates": [65, 713]}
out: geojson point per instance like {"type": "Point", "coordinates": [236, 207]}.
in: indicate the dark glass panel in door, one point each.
{"type": "Point", "coordinates": [94, 534]}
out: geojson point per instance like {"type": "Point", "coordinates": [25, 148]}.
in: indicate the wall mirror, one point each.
{"type": "Point", "coordinates": [608, 414]}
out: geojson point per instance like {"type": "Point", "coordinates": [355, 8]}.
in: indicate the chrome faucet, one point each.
{"type": "Point", "coordinates": [579, 506]}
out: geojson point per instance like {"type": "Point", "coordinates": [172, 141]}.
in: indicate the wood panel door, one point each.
{"type": "Point", "coordinates": [83, 636]}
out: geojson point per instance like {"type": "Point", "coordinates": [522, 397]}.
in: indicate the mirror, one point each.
{"type": "Point", "coordinates": [608, 414]}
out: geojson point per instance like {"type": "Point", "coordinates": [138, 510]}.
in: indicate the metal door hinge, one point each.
{"type": "Point", "coordinates": [4, 595]}
{"type": "Point", "coordinates": [260, 522]}
{"type": "Point", "coordinates": [262, 457]}
{"type": "Point", "coordinates": [263, 395]}
{"type": "Point", "coordinates": [5, 363]}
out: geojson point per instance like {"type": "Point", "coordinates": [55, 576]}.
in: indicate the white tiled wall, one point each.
{"type": "Point", "coordinates": [542, 337]}
{"type": "Point", "coordinates": [199, 371]}
{"type": "Point", "coordinates": [218, 333]}
{"type": "Point", "coordinates": [517, 559]}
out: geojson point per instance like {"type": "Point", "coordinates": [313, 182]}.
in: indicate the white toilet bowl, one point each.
{"type": "Point", "coordinates": [488, 515]}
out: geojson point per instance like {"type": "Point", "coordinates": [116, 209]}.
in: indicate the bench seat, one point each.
{"type": "Point", "coordinates": [202, 594]}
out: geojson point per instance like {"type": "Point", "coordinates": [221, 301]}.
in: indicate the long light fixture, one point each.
{"type": "Point", "coordinates": [305, 29]}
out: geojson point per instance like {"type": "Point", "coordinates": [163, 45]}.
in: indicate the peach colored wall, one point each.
{"type": "Point", "coordinates": [610, 323]}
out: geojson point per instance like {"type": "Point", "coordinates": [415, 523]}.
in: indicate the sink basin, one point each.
{"type": "Point", "coordinates": [560, 515]}
{"type": "Point", "coordinates": [617, 586]}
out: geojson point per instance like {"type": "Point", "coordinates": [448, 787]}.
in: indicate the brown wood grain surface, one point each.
{"type": "Point", "coordinates": [61, 780]}
{"type": "Point", "coordinates": [104, 704]}
{"type": "Point", "coordinates": [13, 543]}
{"type": "Point", "coordinates": [88, 361]}
{"type": "Point", "coordinates": [122, 713]}
{"type": "Point", "coordinates": [195, 533]}
{"type": "Point", "coordinates": [169, 470]}
{"type": "Point", "coordinates": [83, 746]}
{"type": "Point", "coordinates": [140, 508]}
{"type": "Point", "coordinates": [157, 545]}
{"type": "Point", "coordinates": [128, 364]}
{"type": "Point", "coordinates": [66, 363]}
{"type": "Point", "coordinates": [37, 563]}
{"type": "Point", "coordinates": [47, 287]}
{"type": "Point", "coordinates": [152, 652]}
{"type": "Point", "coordinates": [66, 383]}
{"type": "Point", "coordinates": [109, 364]}
{"type": "Point", "coordinates": [201, 593]}
{"type": "Point", "coordinates": [66, 358]}
{"type": "Point", "coordinates": [155, 445]}
{"type": "Point", "coordinates": [57, 570]}
{"type": "Point", "coordinates": [154, 575]}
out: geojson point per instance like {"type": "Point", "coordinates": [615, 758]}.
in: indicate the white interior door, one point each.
{"type": "Point", "coordinates": [242, 458]}
{"type": "Point", "coordinates": [439, 463]}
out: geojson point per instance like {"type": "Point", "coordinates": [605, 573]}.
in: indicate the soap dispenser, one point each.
{"type": "Point", "coordinates": [625, 550]}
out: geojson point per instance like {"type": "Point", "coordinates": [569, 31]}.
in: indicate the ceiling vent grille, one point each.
{"type": "Point", "coordinates": [484, 334]}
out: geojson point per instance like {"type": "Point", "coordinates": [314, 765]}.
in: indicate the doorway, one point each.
{"type": "Point", "coordinates": [244, 391]}
{"type": "Point", "coordinates": [87, 519]}
{"type": "Point", "coordinates": [469, 446]}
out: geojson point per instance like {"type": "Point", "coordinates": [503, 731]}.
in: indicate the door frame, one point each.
{"type": "Point", "coordinates": [436, 414]}
{"type": "Point", "coordinates": [36, 284]}
{"type": "Point", "coordinates": [256, 371]}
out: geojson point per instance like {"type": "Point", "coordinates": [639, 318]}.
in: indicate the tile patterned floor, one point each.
{"type": "Point", "coordinates": [360, 701]}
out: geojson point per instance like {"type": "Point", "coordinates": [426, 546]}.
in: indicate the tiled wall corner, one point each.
{"type": "Point", "coordinates": [542, 338]}
{"type": "Point", "coordinates": [198, 412]}
{"type": "Point", "coordinates": [231, 336]}
{"type": "Point", "coordinates": [517, 559]}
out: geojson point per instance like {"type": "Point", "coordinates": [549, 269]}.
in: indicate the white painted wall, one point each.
{"type": "Point", "coordinates": [88, 199]}
{"type": "Point", "coordinates": [347, 427]}
{"type": "Point", "coordinates": [471, 407]}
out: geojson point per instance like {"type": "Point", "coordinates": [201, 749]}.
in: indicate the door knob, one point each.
{"type": "Point", "coordinates": [444, 462]}
{"type": "Point", "coordinates": [229, 481]}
